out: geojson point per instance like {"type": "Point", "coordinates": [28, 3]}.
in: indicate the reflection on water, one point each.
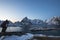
{"type": "Point", "coordinates": [0, 29]}
{"type": "Point", "coordinates": [12, 29]}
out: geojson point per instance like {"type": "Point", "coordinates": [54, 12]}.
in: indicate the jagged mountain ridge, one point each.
{"type": "Point", "coordinates": [55, 20]}
{"type": "Point", "coordinates": [35, 22]}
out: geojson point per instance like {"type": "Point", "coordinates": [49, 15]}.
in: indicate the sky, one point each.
{"type": "Point", "coordinates": [16, 10]}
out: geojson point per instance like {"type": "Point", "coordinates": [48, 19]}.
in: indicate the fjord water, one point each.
{"type": "Point", "coordinates": [52, 32]}
{"type": "Point", "coordinates": [18, 29]}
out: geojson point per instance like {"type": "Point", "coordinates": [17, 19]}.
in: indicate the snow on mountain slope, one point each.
{"type": "Point", "coordinates": [18, 24]}
{"type": "Point", "coordinates": [54, 20]}
{"type": "Point", "coordinates": [26, 21]}
{"type": "Point", "coordinates": [34, 22]}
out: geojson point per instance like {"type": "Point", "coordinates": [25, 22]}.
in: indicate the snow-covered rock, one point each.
{"type": "Point", "coordinates": [14, 37]}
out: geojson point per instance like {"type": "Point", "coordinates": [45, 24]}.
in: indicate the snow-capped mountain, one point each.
{"type": "Point", "coordinates": [26, 21]}
{"type": "Point", "coordinates": [18, 24]}
{"type": "Point", "coordinates": [26, 24]}
{"type": "Point", "coordinates": [55, 21]}
{"type": "Point", "coordinates": [11, 24]}
{"type": "Point", "coordinates": [35, 22]}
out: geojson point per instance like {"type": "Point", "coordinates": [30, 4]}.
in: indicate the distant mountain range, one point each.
{"type": "Point", "coordinates": [53, 22]}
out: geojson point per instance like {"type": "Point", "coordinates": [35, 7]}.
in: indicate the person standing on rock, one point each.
{"type": "Point", "coordinates": [4, 26]}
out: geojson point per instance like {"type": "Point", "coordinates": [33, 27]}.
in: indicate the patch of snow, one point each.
{"type": "Point", "coordinates": [14, 37]}
{"type": "Point", "coordinates": [2, 37]}
{"type": "Point", "coordinates": [26, 37]}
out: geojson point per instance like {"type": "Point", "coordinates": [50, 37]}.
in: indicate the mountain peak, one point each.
{"type": "Point", "coordinates": [55, 20]}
